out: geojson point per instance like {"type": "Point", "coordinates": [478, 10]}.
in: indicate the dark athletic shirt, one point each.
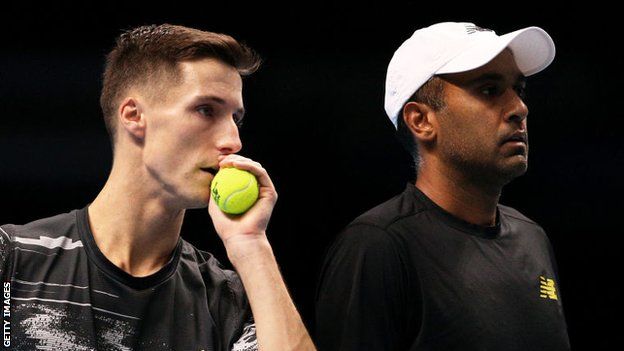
{"type": "Point", "coordinates": [408, 275]}
{"type": "Point", "coordinates": [66, 295]}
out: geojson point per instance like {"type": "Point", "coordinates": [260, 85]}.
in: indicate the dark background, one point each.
{"type": "Point", "coordinates": [316, 122]}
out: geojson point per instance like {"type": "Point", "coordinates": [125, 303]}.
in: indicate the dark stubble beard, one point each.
{"type": "Point", "coordinates": [491, 176]}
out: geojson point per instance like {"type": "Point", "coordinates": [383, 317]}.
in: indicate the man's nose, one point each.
{"type": "Point", "coordinates": [228, 140]}
{"type": "Point", "coordinates": [517, 110]}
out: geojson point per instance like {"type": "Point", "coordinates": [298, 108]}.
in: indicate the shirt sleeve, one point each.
{"type": "Point", "coordinates": [361, 299]}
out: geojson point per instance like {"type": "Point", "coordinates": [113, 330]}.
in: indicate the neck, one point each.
{"type": "Point", "coordinates": [474, 202]}
{"type": "Point", "coordinates": [131, 226]}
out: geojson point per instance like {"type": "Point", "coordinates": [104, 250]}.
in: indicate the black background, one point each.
{"type": "Point", "coordinates": [315, 120]}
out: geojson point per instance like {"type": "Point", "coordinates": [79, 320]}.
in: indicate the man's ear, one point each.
{"type": "Point", "coordinates": [420, 119]}
{"type": "Point", "coordinates": [131, 118]}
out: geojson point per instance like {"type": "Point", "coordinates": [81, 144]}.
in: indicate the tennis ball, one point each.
{"type": "Point", "coordinates": [234, 190]}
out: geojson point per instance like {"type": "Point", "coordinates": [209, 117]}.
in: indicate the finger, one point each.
{"type": "Point", "coordinates": [240, 162]}
{"type": "Point", "coordinates": [226, 159]}
{"type": "Point", "coordinates": [237, 162]}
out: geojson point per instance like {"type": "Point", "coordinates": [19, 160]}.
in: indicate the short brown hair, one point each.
{"type": "Point", "coordinates": [147, 53]}
{"type": "Point", "coordinates": [430, 93]}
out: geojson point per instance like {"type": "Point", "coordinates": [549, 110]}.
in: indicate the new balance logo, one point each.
{"type": "Point", "coordinates": [548, 289]}
{"type": "Point", "coordinates": [470, 29]}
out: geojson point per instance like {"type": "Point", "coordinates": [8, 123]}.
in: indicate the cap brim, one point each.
{"type": "Point", "coordinates": [532, 47]}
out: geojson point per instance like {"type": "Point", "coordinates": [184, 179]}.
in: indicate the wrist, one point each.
{"type": "Point", "coordinates": [243, 249]}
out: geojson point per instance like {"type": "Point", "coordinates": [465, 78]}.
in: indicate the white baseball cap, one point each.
{"type": "Point", "coordinates": [452, 47]}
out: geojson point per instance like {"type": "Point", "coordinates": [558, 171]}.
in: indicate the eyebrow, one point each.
{"type": "Point", "coordinates": [219, 101]}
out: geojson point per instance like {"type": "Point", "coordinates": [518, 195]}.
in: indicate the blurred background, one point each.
{"type": "Point", "coordinates": [315, 120]}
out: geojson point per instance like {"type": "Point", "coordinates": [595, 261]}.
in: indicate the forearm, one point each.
{"type": "Point", "coordinates": [278, 324]}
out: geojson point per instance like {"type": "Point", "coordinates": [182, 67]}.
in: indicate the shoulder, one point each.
{"type": "Point", "coordinates": [514, 214]}
{"type": "Point", "coordinates": [47, 233]}
{"type": "Point", "coordinates": [51, 225]}
{"type": "Point", "coordinates": [384, 215]}
{"type": "Point", "coordinates": [510, 214]}
{"type": "Point", "coordinates": [54, 227]}
{"type": "Point", "coordinates": [373, 233]}
{"type": "Point", "coordinates": [365, 242]}
{"type": "Point", "coordinates": [518, 222]}
{"type": "Point", "coordinates": [379, 228]}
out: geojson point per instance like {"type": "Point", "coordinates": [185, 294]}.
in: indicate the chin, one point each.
{"type": "Point", "coordinates": [514, 169]}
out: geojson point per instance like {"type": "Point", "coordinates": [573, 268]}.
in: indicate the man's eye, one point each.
{"type": "Point", "coordinates": [205, 110]}
{"type": "Point", "coordinates": [490, 90]}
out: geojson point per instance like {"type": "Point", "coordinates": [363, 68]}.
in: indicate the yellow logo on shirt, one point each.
{"type": "Point", "coordinates": [548, 289]}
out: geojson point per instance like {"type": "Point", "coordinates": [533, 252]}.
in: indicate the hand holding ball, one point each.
{"type": "Point", "coordinates": [234, 190]}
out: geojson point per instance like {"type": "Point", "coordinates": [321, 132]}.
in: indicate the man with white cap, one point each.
{"type": "Point", "coordinates": [444, 266]}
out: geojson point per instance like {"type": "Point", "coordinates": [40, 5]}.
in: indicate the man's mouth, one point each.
{"type": "Point", "coordinates": [516, 137]}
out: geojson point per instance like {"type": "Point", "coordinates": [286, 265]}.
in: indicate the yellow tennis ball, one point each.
{"type": "Point", "coordinates": [234, 190]}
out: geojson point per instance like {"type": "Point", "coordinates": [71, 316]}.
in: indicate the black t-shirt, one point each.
{"type": "Point", "coordinates": [66, 295]}
{"type": "Point", "coordinates": [408, 275]}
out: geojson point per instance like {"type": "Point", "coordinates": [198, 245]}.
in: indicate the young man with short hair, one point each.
{"type": "Point", "coordinates": [116, 274]}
